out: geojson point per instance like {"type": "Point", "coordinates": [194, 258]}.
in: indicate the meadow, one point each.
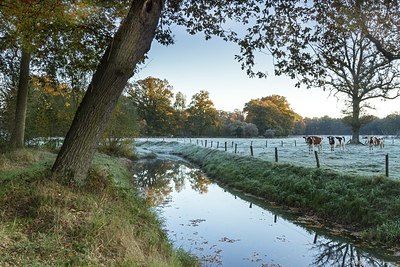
{"type": "Point", "coordinates": [354, 159]}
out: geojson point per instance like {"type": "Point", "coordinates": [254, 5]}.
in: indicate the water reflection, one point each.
{"type": "Point", "coordinates": [226, 228]}
{"type": "Point", "coordinates": [334, 253]}
{"type": "Point", "coordinates": [158, 178]}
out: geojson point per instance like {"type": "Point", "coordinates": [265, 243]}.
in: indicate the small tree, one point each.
{"type": "Point", "coordinates": [240, 129]}
{"type": "Point", "coordinates": [202, 116]}
{"type": "Point", "coordinates": [271, 112]}
{"type": "Point", "coordinates": [123, 126]}
{"type": "Point", "coordinates": [179, 114]}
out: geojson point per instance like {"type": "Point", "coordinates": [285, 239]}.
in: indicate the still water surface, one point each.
{"type": "Point", "coordinates": [226, 228]}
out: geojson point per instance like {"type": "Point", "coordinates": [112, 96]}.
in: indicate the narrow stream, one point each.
{"type": "Point", "coordinates": [226, 228]}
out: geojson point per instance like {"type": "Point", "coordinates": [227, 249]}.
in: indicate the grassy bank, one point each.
{"type": "Point", "coordinates": [105, 223]}
{"type": "Point", "coordinates": [368, 206]}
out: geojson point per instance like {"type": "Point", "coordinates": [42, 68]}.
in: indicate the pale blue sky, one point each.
{"type": "Point", "coordinates": [193, 64]}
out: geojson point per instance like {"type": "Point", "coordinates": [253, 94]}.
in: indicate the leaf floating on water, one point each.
{"type": "Point", "coordinates": [196, 222]}
{"type": "Point", "coordinates": [228, 240]}
{"type": "Point", "coordinates": [255, 257]}
{"type": "Point", "coordinates": [281, 238]}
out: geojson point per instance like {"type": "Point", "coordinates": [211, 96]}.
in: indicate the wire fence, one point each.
{"type": "Point", "coordinates": [352, 159]}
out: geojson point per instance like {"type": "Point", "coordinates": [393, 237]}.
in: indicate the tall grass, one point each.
{"type": "Point", "coordinates": [103, 223]}
{"type": "Point", "coordinates": [370, 205]}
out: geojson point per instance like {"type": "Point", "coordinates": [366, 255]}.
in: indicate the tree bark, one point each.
{"type": "Point", "coordinates": [355, 124]}
{"type": "Point", "coordinates": [18, 134]}
{"type": "Point", "coordinates": [127, 48]}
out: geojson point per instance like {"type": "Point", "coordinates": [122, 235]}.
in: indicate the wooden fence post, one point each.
{"type": "Point", "coordinates": [251, 150]}
{"type": "Point", "coordinates": [316, 158]}
{"type": "Point", "coordinates": [235, 148]}
{"type": "Point", "coordinates": [276, 154]}
{"type": "Point", "coordinates": [205, 142]}
{"type": "Point", "coordinates": [226, 146]}
{"type": "Point", "coordinates": [387, 165]}
{"type": "Point", "coordinates": [217, 144]}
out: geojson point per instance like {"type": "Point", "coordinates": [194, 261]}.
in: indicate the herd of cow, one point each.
{"type": "Point", "coordinates": [315, 141]}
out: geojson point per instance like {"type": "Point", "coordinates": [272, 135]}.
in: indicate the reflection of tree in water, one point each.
{"type": "Point", "coordinates": [198, 181]}
{"type": "Point", "coordinates": [151, 178]}
{"type": "Point", "coordinates": [158, 178]}
{"type": "Point", "coordinates": [336, 253]}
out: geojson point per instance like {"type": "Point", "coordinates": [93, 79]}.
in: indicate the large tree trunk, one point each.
{"type": "Point", "coordinates": [18, 134]}
{"type": "Point", "coordinates": [355, 139]}
{"type": "Point", "coordinates": [130, 43]}
{"type": "Point", "coordinates": [355, 122]}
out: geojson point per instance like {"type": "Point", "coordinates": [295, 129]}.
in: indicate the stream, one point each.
{"type": "Point", "coordinates": [223, 227]}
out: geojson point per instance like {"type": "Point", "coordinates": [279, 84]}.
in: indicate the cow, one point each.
{"type": "Point", "coordinates": [335, 141]}
{"type": "Point", "coordinates": [313, 141]}
{"type": "Point", "coordinates": [373, 141]}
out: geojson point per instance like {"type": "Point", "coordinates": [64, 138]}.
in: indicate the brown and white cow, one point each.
{"type": "Point", "coordinates": [373, 141]}
{"type": "Point", "coordinates": [313, 141]}
{"type": "Point", "coordinates": [335, 141]}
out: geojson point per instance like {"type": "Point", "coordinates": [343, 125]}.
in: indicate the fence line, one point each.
{"type": "Point", "coordinates": [235, 148]}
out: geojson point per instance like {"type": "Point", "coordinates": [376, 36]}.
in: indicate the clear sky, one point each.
{"type": "Point", "coordinates": [193, 64]}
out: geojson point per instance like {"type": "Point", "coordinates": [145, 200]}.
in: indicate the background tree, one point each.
{"type": "Point", "coordinates": [123, 126]}
{"type": "Point", "coordinates": [153, 99]}
{"type": "Point", "coordinates": [180, 115]}
{"type": "Point", "coordinates": [325, 126]}
{"type": "Point", "coordinates": [303, 39]}
{"type": "Point", "coordinates": [271, 112]}
{"type": "Point", "coordinates": [51, 108]}
{"type": "Point", "coordinates": [391, 124]}
{"type": "Point", "coordinates": [239, 129]}
{"type": "Point", "coordinates": [359, 73]}
{"type": "Point", "coordinates": [8, 86]}
{"type": "Point", "coordinates": [202, 116]}
{"type": "Point", "coordinates": [44, 34]}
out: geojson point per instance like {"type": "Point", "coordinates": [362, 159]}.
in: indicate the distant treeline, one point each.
{"type": "Point", "coordinates": [390, 125]}
{"type": "Point", "coordinates": [149, 108]}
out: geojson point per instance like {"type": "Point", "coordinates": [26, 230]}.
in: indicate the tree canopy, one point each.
{"type": "Point", "coordinates": [153, 99]}
{"type": "Point", "coordinates": [61, 39]}
{"type": "Point", "coordinates": [271, 113]}
{"type": "Point", "coordinates": [202, 115]}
